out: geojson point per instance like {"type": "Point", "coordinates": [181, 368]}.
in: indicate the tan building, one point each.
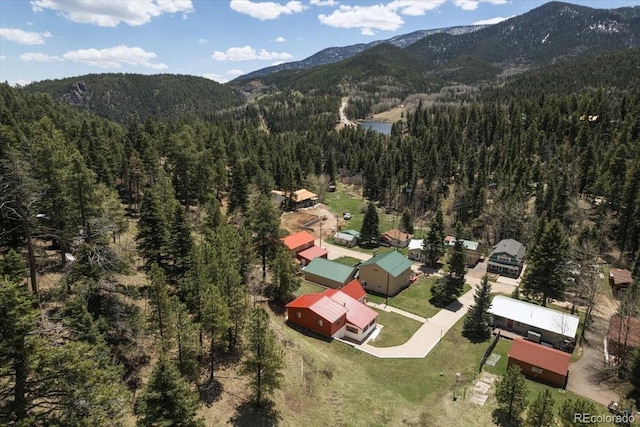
{"type": "Point", "coordinates": [386, 274]}
{"type": "Point", "coordinates": [396, 238]}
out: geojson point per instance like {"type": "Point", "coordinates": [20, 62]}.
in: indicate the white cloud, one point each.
{"type": "Point", "coordinates": [281, 39]}
{"type": "Point", "coordinates": [415, 7]}
{"type": "Point", "coordinates": [212, 76]}
{"type": "Point", "coordinates": [323, 2]}
{"type": "Point", "coordinates": [2, 57]}
{"type": "Point", "coordinates": [473, 4]}
{"type": "Point", "coordinates": [367, 18]}
{"type": "Point", "coordinates": [23, 37]}
{"type": "Point", "coordinates": [247, 53]}
{"type": "Point", "coordinates": [112, 13]}
{"type": "Point", "coordinates": [203, 41]}
{"type": "Point", "coordinates": [19, 82]}
{"type": "Point", "coordinates": [492, 21]}
{"type": "Point", "coordinates": [39, 57]}
{"type": "Point", "coordinates": [266, 10]}
{"type": "Point", "coordinates": [114, 57]}
{"type": "Point", "coordinates": [235, 72]}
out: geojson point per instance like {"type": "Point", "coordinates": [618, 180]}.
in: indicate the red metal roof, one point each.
{"type": "Point", "coordinates": [313, 252]}
{"type": "Point", "coordinates": [354, 289]}
{"type": "Point", "coordinates": [540, 356]}
{"type": "Point", "coordinates": [298, 239]}
{"type": "Point", "coordinates": [358, 314]}
{"type": "Point", "coordinates": [328, 308]}
{"type": "Point", "coordinates": [304, 301]}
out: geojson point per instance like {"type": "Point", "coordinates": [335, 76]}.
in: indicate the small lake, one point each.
{"type": "Point", "coordinates": [382, 127]}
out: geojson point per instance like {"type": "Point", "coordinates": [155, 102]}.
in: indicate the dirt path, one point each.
{"type": "Point", "coordinates": [584, 375]}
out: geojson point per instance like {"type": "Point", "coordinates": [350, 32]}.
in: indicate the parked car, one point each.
{"type": "Point", "coordinates": [346, 216]}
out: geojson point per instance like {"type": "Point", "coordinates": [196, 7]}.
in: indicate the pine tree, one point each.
{"type": "Point", "coordinates": [457, 263]}
{"type": "Point", "coordinates": [567, 413]}
{"type": "Point", "coordinates": [161, 303]}
{"type": "Point", "coordinates": [181, 244]}
{"type": "Point", "coordinates": [186, 336]}
{"type": "Point", "coordinates": [433, 245]}
{"type": "Point", "coordinates": [12, 267]}
{"type": "Point", "coordinates": [264, 362]}
{"type": "Point", "coordinates": [167, 399]}
{"type": "Point", "coordinates": [540, 413]}
{"type": "Point", "coordinates": [285, 281]}
{"type": "Point", "coordinates": [238, 191]}
{"type": "Point", "coordinates": [215, 321]}
{"type": "Point", "coordinates": [511, 394]}
{"type": "Point", "coordinates": [153, 231]}
{"type": "Point", "coordinates": [265, 225]}
{"type": "Point", "coordinates": [545, 276]}
{"type": "Point", "coordinates": [370, 231]}
{"type": "Point", "coordinates": [478, 321]}
{"type": "Point", "coordinates": [406, 222]}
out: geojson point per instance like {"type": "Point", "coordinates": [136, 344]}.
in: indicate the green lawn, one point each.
{"type": "Point", "coordinates": [308, 288]}
{"type": "Point", "coordinates": [347, 260]}
{"type": "Point", "coordinates": [397, 329]}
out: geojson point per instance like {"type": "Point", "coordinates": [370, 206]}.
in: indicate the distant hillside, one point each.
{"type": "Point", "coordinates": [332, 55]}
{"type": "Point", "coordinates": [120, 96]}
{"type": "Point", "coordinates": [553, 33]}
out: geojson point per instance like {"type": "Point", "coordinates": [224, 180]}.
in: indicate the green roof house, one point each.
{"type": "Point", "coordinates": [329, 273]}
{"type": "Point", "coordinates": [386, 274]}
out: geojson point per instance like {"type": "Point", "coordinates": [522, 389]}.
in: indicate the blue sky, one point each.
{"type": "Point", "coordinates": [217, 39]}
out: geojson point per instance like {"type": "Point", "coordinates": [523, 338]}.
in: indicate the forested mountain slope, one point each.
{"type": "Point", "coordinates": [122, 97]}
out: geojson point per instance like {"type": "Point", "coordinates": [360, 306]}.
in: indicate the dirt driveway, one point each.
{"type": "Point", "coordinates": [584, 375]}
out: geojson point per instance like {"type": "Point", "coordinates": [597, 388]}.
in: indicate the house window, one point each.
{"type": "Point", "coordinates": [536, 370]}
{"type": "Point", "coordinates": [299, 314]}
{"type": "Point", "coordinates": [352, 329]}
{"type": "Point", "coordinates": [319, 322]}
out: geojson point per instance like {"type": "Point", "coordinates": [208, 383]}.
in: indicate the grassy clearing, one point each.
{"type": "Point", "coordinates": [347, 260]}
{"type": "Point", "coordinates": [397, 329]}
{"type": "Point", "coordinates": [415, 299]}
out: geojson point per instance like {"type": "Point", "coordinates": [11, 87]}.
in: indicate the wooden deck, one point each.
{"type": "Point", "coordinates": [506, 334]}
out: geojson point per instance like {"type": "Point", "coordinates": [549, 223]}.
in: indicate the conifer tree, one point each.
{"type": "Point", "coordinates": [181, 244]}
{"type": "Point", "coordinates": [540, 413]}
{"type": "Point", "coordinates": [406, 222]}
{"type": "Point", "coordinates": [433, 245]}
{"type": "Point", "coordinates": [634, 372]}
{"type": "Point", "coordinates": [161, 303]}
{"type": "Point", "coordinates": [545, 276]}
{"type": "Point", "coordinates": [188, 349]}
{"type": "Point", "coordinates": [215, 321]}
{"type": "Point", "coordinates": [238, 190]}
{"type": "Point", "coordinates": [265, 225]}
{"type": "Point", "coordinates": [153, 231]}
{"type": "Point", "coordinates": [264, 361]}
{"type": "Point", "coordinates": [167, 400]}
{"type": "Point", "coordinates": [285, 281]}
{"type": "Point", "coordinates": [478, 321]}
{"type": "Point", "coordinates": [567, 413]}
{"type": "Point", "coordinates": [370, 231]}
{"type": "Point", "coordinates": [12, 267]}
{"type": "Point", "coordinates": [511, 394]}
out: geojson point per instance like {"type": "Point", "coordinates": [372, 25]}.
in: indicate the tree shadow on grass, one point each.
{"type": "Point", "coordinates": [501, 418]}
{"type": "Point", "coordinates": [210, 392]}
{"type": "Point", "coordinates": [250, 415]}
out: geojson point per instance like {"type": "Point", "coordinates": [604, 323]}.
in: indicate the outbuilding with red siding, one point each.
{"type": "Point", "coordinates": [538, 362]}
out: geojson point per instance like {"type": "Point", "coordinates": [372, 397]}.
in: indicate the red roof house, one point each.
{"type": "Point", "coordinates": [332, 313]}
{"type": "Point", "coordinates": [308, 255]}
{"type": "Point", "coordinates": [540, 363]}
{"type": "Point", "coordinates": [355, 290]}
{"type": "Point", "coordinates": [299, 241]}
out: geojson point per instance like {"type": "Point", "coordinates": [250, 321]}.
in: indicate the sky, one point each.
{"type": "Point", "coordinates": [215, 39]}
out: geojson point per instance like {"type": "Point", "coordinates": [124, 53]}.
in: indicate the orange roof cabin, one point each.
{"type": "Point", "coordinates": [333, 314]}
{"type": "Point", "coordinates": [623, 335]}
{"type": "Point", "coordinates": [619, 279]}
{"type": "Point", "coordinates": [540, 363]}
{"type": "Point", "coordinates": [298, 242]}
